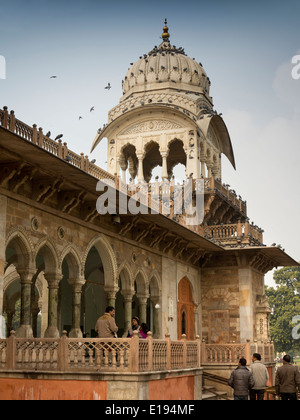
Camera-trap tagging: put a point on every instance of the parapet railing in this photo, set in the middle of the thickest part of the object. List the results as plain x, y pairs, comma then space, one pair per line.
56, 148
233, 352
98, 355
227, 234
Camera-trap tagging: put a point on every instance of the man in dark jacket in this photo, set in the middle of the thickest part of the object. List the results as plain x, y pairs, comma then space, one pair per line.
287, 380
241, 380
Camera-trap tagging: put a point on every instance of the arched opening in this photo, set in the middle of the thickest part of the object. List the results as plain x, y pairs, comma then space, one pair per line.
176, 156
128, 160
94, 299
185, 310
152, 159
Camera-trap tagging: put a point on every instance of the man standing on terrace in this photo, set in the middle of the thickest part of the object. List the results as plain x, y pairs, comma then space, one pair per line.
106, 326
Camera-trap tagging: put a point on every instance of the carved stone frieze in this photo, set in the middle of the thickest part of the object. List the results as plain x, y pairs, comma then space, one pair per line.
153, 125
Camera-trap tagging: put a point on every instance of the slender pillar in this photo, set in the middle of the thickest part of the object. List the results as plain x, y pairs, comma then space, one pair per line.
209, 170
143, 308
25, 329
203, 171
156, 317
140, 168
164, 174
76, 307
53, 286
127, 311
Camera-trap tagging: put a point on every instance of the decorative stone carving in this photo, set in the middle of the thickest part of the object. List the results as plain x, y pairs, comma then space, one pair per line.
154, 125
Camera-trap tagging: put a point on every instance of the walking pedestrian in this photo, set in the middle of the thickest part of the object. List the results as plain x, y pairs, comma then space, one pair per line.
241, 380
287, 380
260, 376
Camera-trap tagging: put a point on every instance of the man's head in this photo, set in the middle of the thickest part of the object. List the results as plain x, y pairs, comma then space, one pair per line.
256, 356
286, 359
243, 362
110, 310
135, 321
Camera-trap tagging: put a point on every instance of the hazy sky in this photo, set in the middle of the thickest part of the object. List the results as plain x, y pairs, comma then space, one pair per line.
246, 49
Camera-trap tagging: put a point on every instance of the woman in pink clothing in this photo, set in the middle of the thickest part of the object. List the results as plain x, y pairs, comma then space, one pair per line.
143, 331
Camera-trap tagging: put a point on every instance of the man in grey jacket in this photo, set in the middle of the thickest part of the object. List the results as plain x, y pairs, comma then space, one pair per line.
287, 381
241, 380
261, 377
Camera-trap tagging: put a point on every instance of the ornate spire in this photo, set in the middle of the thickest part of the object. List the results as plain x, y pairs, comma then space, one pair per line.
166, 35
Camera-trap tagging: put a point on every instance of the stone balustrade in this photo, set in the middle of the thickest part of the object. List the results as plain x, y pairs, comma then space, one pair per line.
57, 148
231, 353
236, 233
121, 354
98, 355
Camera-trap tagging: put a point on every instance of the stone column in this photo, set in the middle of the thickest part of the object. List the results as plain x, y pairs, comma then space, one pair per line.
25, 329
246, 305
3, 207
76, 307
53, 286
142, 308
209, 169
156, 317
140, 175
127, 311
111, 296
203, 171
164, 174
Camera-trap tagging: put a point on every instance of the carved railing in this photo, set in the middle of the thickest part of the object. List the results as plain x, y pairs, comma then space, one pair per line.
233, 352
96, 355
56, 148
228, 234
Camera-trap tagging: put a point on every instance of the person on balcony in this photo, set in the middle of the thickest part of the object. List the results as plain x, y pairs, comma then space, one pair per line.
134, 326
106, 326
261, 377
143, 332
241, 380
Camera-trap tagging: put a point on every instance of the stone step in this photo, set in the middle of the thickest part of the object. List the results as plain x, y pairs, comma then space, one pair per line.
209, 393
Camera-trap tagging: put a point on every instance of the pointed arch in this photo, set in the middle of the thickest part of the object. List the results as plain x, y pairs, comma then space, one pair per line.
18, 239
107, 255
155, 284
47, 249
141, 282
75, 264
126, 277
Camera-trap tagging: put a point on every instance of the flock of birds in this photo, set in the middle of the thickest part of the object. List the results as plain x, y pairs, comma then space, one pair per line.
60, 136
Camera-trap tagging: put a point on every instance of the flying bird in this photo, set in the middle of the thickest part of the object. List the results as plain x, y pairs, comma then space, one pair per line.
92, 109
53, 77
80, 118
108, 86
59, 137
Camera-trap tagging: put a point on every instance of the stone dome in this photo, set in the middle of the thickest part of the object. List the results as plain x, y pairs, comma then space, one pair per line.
166, 66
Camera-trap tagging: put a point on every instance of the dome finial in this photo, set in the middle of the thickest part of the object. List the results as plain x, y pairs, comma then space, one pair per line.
166, 35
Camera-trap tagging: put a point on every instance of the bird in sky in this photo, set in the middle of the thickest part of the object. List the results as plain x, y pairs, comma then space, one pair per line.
108, 86
59, 137
53, 77
80, 118
92, 109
